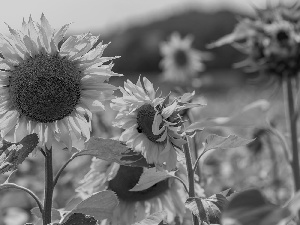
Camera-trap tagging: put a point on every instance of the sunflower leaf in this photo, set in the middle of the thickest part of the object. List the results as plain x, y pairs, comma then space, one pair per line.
214, 141
251, 208
13, 154
100, 206
113, 151
243, 30
209, 209
251, 115
55, 214
195, 205
151, 177
153, 219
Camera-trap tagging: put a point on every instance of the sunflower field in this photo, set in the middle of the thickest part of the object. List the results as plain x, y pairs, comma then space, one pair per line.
90, 138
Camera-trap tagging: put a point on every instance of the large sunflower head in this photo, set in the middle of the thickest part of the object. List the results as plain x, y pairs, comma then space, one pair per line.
180, 61
51, 87
168, 195
152, 124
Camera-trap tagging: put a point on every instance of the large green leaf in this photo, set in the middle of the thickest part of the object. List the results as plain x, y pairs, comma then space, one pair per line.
250, 207
251, 115
100, 206
150, 177
113, 151
55, 214
209, 209
214, 141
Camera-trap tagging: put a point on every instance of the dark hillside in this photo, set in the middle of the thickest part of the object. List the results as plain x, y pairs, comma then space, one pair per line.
139, 45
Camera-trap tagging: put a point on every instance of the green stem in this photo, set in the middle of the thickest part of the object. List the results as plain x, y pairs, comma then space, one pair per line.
195, 147
197, 161
283, 143
293, 130
190, 172
15, 186
274, 167
48, 186
182, 182
62, 169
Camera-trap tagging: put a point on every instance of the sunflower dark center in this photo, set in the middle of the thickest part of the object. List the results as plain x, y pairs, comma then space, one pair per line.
127, 177
282, 36
145, 118
180, 57
45, 88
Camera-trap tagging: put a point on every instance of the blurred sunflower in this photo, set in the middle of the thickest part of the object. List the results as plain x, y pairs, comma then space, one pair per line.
152, 124
50, 87
168, 195
180, 61
271, 40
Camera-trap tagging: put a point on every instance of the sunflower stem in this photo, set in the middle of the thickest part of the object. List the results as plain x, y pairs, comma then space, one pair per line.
195, 147
34, 196
290, 108
190, 171
48, 186
292, 119
62, 169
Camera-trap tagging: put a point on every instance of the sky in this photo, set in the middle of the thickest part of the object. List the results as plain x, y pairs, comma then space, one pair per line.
106, 15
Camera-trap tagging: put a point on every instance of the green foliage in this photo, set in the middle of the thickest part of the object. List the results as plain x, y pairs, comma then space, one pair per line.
113, 151
251, 115
209, 209
250, 207
214, 141
99, 205
13, 154
151, 177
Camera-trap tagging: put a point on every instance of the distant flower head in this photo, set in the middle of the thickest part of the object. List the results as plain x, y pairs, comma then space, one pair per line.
180, 61
50, 87
168, 194
271, 40
152, 124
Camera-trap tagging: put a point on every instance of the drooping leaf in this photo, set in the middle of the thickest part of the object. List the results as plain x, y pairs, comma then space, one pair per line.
100, 206
244, 29
214, 141
114, 151
80, 219
195, 205
209, 209
151, 177
252, 115
251, 208
54, 213
13, 154
153, 219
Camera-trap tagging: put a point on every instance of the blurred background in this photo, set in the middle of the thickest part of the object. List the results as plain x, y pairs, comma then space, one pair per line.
136, 29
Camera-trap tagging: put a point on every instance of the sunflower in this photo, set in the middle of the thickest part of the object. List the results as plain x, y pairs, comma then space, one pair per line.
180, 61
152, 125
51, 87
271, 41
168, 195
